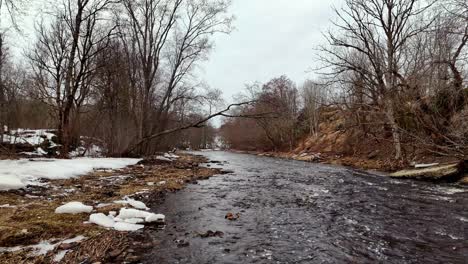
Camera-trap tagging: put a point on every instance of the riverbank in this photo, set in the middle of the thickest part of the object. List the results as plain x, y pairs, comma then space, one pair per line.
385, 166
334, 159
31, 231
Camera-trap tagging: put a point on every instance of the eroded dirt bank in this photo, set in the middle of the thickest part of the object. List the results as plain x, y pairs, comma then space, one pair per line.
27, 216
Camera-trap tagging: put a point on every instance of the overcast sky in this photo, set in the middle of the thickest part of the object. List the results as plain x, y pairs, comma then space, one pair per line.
272, 38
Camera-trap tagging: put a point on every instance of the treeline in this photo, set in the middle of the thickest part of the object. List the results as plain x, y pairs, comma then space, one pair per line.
396, 71
120, 71
281, 115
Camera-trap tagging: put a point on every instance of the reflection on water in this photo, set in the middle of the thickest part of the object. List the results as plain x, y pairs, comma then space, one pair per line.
296, 212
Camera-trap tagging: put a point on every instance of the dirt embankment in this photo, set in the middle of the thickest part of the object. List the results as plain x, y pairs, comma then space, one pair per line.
27, 216
339, 141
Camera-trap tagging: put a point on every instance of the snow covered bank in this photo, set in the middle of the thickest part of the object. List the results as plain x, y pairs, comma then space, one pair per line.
33, 137
15, 174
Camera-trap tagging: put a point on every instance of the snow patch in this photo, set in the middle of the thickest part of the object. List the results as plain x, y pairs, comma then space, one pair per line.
15, 174
128, 219
171, 156
7, 206
134, 203
10, 182
124, 227
60, 255
102, 220
132, 213
161, 183
32, 137
73, 208
162, 158
155, 218
43, 247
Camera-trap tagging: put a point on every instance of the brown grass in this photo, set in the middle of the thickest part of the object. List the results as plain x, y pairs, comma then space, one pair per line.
33, 220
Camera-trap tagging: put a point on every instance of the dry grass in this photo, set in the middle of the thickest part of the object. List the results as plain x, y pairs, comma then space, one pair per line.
32, 219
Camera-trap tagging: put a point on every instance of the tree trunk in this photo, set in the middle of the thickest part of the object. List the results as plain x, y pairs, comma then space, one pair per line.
390, 113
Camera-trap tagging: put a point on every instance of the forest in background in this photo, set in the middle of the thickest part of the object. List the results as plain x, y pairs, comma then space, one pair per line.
393, 80
114, 71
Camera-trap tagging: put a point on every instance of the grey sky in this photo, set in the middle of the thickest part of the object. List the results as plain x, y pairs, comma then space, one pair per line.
272, 38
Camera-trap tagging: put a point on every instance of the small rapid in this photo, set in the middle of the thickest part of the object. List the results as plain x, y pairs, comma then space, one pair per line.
297, 212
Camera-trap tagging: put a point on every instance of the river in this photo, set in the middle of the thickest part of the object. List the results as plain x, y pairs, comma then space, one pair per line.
298, 212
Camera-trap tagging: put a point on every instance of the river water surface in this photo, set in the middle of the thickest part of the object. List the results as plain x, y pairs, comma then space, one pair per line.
297, 212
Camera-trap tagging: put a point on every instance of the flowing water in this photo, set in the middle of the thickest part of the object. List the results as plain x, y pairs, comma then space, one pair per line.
297, 212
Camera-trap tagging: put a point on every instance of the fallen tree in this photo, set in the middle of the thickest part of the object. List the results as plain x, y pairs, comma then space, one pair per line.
198, 124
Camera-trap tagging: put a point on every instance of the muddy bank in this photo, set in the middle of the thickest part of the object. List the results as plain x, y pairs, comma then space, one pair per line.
28, 223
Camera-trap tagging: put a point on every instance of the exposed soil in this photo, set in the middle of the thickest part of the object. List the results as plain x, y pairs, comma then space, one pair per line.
338, 141
29, 217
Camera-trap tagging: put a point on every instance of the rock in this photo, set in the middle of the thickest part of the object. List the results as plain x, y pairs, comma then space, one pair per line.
232, 217
210, 233
451, 172
464, 180
310, 157
181, 243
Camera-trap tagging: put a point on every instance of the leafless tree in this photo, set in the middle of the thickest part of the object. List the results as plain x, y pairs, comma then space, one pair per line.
314, 97
64, 60
377, 33
164, 40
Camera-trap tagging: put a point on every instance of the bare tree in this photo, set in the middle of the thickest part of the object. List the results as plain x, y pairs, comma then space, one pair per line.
378, 32
149, 24
13, 8
314, 97
164, 40
65, 60
190, 44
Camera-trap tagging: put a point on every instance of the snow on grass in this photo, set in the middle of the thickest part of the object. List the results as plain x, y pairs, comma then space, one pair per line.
15, 174
128, 220
73, 208
134, 203
162, 158
124, 227
102, 220
58, 258
43, 247
132, 213
171, 156
7, 206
